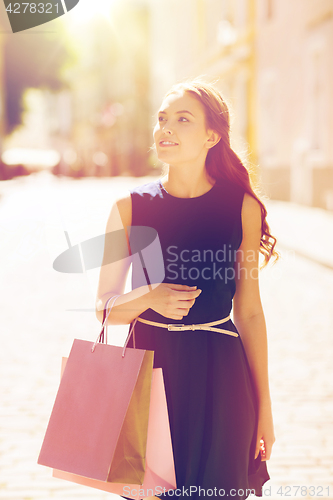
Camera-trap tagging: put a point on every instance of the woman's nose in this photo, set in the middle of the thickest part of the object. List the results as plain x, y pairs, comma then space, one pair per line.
167, 129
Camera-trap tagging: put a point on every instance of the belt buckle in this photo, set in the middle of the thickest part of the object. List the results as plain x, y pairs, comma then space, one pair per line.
175, 327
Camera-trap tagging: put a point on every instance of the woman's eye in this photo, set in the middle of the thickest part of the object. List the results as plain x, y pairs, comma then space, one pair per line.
160, 118
182, 118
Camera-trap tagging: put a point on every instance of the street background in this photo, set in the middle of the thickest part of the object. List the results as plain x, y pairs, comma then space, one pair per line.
78, 101
39, 325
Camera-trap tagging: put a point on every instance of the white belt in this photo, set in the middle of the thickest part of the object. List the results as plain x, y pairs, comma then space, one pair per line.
174, 327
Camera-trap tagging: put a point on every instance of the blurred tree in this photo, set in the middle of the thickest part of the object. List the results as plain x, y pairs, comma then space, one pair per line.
34, 61
110, 88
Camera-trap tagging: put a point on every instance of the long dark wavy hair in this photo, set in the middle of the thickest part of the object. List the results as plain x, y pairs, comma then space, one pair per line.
222, 162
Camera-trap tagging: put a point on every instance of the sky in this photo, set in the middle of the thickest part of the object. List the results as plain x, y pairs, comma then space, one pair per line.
85, 10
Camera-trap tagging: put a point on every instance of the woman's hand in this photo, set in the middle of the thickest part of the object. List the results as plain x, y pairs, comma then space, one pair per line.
173, 301
265, 434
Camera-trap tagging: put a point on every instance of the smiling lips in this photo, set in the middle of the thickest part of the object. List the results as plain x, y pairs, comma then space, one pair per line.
168, 143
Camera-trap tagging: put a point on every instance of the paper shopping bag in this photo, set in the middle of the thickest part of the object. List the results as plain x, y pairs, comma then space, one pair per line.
160, 471
98, 425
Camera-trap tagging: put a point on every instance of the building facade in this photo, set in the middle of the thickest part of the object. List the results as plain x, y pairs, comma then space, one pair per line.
294, 81
272, 62
213, 39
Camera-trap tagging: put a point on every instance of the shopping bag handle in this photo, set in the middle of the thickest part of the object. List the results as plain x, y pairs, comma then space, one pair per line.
103, 335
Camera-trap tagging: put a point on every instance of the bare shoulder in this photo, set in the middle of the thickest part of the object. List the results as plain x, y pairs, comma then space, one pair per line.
251, 214
124, 205
121, 213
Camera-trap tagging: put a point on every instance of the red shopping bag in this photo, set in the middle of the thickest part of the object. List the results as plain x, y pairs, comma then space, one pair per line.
160, 471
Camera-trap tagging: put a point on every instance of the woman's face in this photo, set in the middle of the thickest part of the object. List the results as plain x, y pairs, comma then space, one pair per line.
180, 133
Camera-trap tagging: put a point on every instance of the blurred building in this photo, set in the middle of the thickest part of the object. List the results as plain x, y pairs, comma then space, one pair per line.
211, 38
294, 81
273, 59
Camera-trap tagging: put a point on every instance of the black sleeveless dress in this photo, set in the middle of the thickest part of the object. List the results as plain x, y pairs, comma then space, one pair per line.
210, 394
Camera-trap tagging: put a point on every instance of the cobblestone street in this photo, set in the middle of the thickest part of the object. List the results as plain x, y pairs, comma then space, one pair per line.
42, 311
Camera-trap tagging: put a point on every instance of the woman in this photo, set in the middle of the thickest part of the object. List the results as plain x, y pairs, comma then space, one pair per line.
211, 227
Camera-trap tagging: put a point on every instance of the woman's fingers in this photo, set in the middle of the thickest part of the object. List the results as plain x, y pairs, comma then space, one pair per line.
187, 296
264, 448
185, 300
173, 300
260, 448
183, 311
174, 286
268, 450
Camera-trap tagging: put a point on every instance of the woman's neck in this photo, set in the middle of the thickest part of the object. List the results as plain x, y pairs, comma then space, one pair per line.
187, 184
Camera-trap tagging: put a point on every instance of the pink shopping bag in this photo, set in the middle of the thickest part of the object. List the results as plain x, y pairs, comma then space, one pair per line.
98, 425
99, 422
159, 470
109, 427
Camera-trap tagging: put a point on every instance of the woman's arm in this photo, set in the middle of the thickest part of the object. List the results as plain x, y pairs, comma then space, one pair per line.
171, 300
249, 317
113, 275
